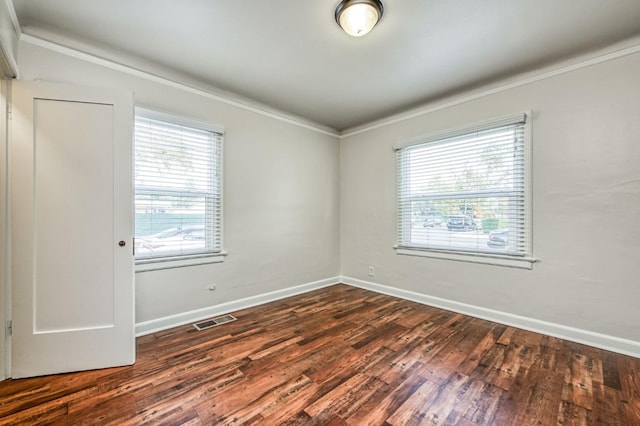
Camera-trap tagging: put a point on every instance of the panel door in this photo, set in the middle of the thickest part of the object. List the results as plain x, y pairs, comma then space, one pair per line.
71, 215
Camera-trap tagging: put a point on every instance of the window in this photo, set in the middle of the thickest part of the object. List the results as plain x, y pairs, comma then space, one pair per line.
178, 188
466, 191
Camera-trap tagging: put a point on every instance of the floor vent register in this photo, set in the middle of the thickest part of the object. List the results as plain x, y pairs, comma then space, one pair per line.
223, 319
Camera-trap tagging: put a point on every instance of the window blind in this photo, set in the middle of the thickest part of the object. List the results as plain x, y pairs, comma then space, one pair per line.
178, 189
466, 190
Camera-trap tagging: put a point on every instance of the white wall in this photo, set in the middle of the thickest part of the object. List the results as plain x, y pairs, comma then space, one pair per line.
293, 196
586, 204
281, 206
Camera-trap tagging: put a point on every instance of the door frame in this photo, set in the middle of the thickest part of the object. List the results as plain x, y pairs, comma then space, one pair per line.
9, 37
5, 275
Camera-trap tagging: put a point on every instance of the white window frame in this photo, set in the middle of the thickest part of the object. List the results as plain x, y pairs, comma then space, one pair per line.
177, 261
523, 260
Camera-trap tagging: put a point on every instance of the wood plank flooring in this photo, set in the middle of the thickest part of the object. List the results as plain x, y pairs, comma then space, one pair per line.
341, 356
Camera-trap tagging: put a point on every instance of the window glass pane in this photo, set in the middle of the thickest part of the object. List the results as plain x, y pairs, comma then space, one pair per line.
464, 193
472, 163
169, 225
464, 224
177, 190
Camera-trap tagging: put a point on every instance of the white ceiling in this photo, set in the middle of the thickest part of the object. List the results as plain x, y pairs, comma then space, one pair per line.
292, 56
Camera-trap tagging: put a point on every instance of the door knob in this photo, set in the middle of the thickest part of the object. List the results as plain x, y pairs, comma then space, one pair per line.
122, 243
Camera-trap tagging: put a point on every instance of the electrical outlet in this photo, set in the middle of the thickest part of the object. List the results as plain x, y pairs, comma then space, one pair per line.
372, 271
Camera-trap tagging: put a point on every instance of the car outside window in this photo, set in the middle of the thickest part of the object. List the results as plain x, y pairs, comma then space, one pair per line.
178, 188
466, 190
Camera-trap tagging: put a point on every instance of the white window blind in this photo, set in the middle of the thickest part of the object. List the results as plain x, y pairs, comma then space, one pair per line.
178, 189
466, 190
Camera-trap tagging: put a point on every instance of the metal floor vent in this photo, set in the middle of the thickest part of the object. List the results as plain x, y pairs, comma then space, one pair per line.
223, 319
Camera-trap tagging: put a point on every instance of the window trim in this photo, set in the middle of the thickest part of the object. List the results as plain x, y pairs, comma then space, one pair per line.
178, 261
159, 263
525, 261
483, 258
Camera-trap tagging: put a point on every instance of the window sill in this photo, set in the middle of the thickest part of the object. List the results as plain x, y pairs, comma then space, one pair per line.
145, 265
487, 259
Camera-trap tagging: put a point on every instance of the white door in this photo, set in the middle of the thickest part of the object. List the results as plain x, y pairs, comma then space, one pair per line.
71, 221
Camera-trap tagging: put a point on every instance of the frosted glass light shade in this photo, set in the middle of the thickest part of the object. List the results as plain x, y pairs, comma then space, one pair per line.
356, 17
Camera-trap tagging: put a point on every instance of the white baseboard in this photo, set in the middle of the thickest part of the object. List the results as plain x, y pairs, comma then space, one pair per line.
171, 321
598, 340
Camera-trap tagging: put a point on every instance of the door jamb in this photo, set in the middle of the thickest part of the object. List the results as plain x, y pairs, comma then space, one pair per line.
5, 231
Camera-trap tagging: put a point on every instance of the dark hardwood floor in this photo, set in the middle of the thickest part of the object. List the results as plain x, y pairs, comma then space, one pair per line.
338, 356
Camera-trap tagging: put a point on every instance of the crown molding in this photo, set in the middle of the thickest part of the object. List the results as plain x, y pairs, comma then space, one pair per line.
8, 65
619, 50
210, 94
8, 45
14, 17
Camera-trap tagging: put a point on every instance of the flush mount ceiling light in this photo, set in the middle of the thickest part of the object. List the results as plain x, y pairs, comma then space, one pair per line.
358, 17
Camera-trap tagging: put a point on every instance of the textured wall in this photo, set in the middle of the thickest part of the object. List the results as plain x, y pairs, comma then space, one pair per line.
280, 194
284, 187
586, 204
